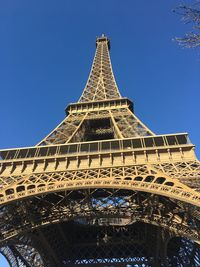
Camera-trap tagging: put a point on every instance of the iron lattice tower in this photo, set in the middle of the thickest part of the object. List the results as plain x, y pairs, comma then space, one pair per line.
101, 189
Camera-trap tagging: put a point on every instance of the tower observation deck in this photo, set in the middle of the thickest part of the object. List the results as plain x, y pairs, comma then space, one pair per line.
101, 189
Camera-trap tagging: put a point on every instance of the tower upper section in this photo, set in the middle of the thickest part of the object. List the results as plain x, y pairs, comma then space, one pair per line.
101, 113
101, 84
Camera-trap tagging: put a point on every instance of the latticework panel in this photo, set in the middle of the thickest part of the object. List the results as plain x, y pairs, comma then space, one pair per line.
22, 255
103, 197
138, 177
101, 83
114, 206
109, 246
10, 256
64, 131
183, 252
99, 208
129, 125
188, 172
122, 124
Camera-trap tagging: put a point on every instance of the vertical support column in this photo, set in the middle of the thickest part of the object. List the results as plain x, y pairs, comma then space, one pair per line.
160, 256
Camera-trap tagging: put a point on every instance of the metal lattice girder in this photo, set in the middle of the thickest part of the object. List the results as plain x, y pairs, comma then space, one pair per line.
32, 171
183, 252
22, 255
100, 178
10, 256
181, 170
132, 241
107, 245
122, 123
141, 178
116, 206
101, 84
105, 102
64, 130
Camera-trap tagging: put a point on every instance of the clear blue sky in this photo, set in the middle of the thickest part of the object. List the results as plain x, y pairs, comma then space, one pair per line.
46, 51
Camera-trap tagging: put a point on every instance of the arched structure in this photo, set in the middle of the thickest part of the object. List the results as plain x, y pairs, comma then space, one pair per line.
101, 189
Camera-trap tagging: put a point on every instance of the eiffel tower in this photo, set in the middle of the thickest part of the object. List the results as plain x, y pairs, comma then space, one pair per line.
101, 189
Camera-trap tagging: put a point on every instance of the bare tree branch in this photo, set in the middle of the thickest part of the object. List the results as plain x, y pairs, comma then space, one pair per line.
190, 14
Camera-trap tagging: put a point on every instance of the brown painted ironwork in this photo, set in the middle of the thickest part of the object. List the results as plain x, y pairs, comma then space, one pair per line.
101, 189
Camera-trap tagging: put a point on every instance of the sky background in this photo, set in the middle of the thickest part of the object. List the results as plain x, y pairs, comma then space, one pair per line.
47, 48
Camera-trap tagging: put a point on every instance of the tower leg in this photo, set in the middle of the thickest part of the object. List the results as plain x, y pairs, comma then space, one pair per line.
160, 251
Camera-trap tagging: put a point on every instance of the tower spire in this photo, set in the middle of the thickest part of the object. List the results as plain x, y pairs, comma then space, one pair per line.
101, 113
101, 188
101, 84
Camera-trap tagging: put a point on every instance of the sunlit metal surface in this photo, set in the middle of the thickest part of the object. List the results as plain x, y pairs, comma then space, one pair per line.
101, 189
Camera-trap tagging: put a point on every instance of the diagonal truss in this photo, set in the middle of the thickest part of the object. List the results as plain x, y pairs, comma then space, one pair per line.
100, 100
114, 117
101, 84
101, 188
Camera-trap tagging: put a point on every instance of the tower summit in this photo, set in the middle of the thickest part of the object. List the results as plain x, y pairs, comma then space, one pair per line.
101, 112
101, 189
101, 84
